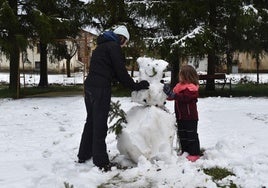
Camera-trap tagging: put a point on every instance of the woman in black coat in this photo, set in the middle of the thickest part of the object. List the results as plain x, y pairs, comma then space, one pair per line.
107, 63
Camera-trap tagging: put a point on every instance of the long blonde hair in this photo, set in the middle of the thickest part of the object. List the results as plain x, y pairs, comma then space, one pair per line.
188, 74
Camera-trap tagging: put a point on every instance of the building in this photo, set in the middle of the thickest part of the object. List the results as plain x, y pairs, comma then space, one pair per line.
242, 63
30, 60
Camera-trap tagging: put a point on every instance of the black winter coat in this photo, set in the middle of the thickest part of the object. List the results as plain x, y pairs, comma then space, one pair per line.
108, 63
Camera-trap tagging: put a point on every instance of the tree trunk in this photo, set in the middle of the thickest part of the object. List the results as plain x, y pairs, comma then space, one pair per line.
175, 62
229, 57
210, 86
68, 67
14, 76
14, 53
43, 66
258, 67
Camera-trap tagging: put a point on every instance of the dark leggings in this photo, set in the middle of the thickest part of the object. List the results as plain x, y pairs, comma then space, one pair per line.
188, 136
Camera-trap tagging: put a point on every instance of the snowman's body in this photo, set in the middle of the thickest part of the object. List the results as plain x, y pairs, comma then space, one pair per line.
150, 129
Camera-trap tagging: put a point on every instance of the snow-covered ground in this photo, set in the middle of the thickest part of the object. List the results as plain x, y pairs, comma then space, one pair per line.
40, 139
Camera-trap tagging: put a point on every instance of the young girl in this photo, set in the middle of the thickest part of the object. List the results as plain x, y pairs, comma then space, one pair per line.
185, 95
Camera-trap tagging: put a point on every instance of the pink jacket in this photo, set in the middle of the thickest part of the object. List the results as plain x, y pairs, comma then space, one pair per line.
185, 101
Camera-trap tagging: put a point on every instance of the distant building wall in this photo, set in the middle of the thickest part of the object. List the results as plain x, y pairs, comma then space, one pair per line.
4, 62
244, 63
30, 61
248, 64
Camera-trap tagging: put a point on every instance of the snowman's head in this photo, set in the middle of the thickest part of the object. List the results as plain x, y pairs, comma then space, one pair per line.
151, 69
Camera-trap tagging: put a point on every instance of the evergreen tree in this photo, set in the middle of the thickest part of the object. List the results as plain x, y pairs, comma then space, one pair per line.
108, 14
53, 20
12, 40
173, 20
65, 49
255, 23
39, 22
200, 28
142, 21
116, 113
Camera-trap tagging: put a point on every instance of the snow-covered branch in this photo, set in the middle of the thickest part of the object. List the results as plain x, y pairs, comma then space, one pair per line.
191, 35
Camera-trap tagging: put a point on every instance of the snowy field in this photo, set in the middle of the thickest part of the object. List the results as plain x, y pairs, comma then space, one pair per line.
40, 139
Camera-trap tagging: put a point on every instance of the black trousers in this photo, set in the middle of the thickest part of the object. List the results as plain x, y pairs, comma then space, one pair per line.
97, 101
188, 136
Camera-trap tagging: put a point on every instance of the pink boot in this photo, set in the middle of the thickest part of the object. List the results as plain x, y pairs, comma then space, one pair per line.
193, 158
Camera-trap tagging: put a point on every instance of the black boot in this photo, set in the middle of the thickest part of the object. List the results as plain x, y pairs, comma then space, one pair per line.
107, 167
82, 160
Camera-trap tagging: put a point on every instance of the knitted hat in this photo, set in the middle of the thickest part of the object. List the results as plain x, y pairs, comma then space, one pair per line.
122, 30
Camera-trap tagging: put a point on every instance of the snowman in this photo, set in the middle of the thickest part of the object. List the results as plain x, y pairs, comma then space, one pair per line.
150, 128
